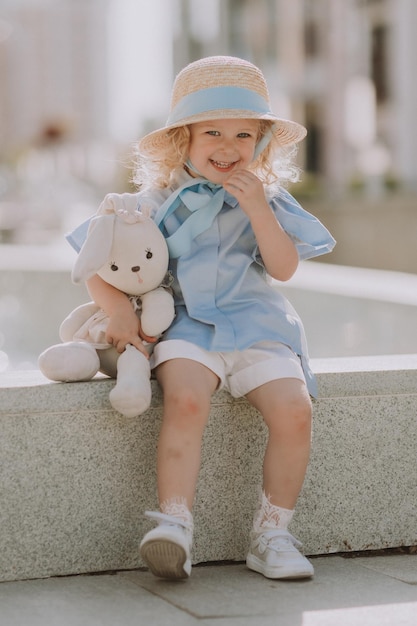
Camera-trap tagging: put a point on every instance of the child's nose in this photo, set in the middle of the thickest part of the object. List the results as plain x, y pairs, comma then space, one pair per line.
228, 143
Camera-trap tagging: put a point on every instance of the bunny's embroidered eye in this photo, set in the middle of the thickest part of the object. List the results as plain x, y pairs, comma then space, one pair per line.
113, 267
149, 254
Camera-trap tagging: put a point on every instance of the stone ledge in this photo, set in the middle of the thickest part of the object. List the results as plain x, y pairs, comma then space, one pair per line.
76, 476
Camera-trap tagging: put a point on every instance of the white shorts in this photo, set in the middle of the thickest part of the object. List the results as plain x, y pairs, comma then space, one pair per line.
240, 371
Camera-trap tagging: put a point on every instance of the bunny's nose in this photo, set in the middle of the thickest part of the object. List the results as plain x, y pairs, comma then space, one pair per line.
135, 268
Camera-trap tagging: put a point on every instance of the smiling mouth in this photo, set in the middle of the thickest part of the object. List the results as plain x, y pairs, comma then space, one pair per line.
222, 165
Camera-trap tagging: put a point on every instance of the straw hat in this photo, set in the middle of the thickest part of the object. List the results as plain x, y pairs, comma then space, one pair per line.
216, 88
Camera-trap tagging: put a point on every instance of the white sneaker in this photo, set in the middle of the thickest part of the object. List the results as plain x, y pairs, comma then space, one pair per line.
274, 554
166, 549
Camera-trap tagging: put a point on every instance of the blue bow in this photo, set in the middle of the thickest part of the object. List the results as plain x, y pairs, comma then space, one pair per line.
204, 200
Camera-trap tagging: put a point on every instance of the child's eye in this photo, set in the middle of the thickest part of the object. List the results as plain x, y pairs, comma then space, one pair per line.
244, 135
214, 133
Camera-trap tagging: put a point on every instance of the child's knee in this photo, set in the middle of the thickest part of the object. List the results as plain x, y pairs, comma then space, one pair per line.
302, 417
187, 402
300, 408
292, 417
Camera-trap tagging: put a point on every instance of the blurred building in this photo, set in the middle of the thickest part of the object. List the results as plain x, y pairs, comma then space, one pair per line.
342, 67
55, 150
79, 77
53, 60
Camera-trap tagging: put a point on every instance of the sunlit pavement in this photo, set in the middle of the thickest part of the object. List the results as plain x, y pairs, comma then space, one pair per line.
360, 591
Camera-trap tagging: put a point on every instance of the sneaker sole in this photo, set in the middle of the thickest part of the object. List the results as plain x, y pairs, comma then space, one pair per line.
259, 566
165, 559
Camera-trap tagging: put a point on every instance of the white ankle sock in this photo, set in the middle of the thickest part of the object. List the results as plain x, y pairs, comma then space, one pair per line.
177, 507
269, 516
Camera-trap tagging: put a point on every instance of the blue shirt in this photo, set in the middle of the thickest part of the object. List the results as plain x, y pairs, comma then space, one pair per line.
224, 298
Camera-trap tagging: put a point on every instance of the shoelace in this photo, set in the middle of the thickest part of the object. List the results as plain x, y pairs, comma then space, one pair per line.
170, 520
276, 539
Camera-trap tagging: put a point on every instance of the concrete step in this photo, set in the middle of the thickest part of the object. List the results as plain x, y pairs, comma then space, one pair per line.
76, 477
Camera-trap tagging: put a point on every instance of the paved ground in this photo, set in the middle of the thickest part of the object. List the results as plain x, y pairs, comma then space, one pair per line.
361, 591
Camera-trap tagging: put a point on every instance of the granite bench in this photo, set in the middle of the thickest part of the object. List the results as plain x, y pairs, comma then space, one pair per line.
76, 477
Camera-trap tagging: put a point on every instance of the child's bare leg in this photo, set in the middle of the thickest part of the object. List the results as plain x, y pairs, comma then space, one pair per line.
187, 388
286, 408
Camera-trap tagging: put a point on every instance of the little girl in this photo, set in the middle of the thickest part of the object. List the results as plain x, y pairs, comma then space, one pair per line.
211, 175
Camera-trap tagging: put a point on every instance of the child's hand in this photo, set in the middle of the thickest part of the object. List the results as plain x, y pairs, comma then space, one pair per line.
248, 190
279, 253
124, 328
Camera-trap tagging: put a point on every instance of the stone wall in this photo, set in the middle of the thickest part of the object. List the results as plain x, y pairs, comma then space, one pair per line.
76, 477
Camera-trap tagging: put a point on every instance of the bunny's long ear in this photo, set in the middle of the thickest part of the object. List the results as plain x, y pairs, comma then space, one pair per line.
96, 248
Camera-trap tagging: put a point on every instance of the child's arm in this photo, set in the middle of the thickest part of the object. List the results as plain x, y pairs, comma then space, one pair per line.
124, 326
277, 250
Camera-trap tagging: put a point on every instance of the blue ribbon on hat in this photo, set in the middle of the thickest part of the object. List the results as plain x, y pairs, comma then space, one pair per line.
219, 99
203, 199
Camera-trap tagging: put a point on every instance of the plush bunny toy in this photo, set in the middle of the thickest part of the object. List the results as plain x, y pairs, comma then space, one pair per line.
127, 250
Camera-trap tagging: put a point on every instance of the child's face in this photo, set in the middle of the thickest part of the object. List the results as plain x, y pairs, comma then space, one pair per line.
219, 147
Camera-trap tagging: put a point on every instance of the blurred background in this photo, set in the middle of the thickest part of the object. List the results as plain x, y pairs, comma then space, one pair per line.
82, 80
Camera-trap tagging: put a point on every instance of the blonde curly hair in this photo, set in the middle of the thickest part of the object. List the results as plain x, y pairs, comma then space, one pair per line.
159, 168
